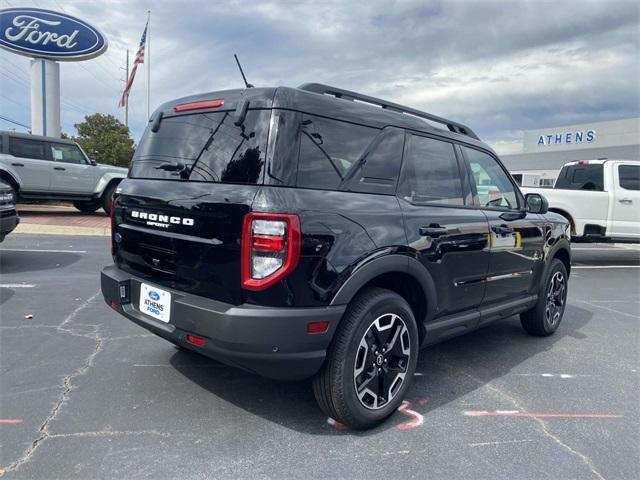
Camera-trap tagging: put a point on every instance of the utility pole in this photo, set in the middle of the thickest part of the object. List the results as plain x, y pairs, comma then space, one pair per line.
126, 104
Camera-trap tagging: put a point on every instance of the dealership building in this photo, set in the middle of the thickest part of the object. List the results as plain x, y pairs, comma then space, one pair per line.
545, 151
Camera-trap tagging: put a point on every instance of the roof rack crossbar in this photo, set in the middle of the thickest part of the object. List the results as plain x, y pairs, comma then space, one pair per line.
349, 95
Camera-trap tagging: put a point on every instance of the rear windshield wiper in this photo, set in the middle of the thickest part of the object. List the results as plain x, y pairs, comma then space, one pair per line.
171, 167
207, 144
179, 167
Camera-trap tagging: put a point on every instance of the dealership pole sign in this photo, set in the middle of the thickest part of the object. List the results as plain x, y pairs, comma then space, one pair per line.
48, 37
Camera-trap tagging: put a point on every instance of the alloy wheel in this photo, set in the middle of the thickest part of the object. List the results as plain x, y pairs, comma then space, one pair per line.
555, 299
381, 361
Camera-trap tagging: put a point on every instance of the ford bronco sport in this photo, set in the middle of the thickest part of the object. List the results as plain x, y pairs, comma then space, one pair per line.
317, 232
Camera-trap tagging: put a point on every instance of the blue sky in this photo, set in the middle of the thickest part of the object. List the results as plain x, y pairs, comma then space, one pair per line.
500, 66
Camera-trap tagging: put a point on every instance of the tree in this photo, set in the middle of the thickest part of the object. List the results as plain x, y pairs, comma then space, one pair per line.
105, 139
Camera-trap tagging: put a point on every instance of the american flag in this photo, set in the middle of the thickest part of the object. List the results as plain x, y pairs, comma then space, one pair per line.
139, 59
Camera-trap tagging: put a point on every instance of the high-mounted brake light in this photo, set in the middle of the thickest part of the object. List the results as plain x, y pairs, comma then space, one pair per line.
270, 248
201, 105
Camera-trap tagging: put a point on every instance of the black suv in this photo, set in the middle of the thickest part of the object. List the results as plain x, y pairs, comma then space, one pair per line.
316, 232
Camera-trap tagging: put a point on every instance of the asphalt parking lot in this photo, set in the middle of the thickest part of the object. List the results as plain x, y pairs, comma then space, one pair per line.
87, 394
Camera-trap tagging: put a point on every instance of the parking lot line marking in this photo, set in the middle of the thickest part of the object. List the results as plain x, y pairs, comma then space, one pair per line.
603, 249
17, 285
40, 251
10, 420
509, 413
594, 267
608, 309
504, 442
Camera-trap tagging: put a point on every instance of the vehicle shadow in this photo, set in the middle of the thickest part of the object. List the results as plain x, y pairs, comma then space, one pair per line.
6, 294
446, 372
26, 261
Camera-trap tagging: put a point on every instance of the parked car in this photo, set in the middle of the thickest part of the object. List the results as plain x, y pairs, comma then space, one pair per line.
47, 168
600, 199
317, 232
8, 214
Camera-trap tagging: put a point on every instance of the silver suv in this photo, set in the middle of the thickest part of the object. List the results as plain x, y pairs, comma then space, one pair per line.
47, 168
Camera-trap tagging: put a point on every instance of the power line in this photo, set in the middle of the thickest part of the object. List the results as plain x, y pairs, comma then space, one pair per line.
2, 117
74, 106
14, 101
11, 76
115, 77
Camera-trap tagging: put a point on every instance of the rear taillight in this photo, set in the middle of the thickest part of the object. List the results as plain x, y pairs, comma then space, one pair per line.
270, 248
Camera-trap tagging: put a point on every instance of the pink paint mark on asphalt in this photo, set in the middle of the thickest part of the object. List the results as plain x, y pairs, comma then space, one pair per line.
10, 420
416, 418
335, 424
515, 413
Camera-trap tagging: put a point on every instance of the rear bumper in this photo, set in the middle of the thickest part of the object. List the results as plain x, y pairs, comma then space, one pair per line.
272, 342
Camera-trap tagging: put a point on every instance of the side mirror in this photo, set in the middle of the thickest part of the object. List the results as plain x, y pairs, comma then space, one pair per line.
93, 162
536, 203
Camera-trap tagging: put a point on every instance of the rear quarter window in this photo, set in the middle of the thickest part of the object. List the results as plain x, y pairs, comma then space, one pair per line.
26, 148
328, 150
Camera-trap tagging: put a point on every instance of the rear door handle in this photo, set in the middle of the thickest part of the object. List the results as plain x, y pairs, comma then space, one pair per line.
626, 201
502, 229
59, 168
18, 164
433, 230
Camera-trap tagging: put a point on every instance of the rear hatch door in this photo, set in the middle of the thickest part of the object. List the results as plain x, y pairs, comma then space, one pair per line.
178, 217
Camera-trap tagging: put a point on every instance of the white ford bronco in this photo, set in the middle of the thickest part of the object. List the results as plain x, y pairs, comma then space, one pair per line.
48, 168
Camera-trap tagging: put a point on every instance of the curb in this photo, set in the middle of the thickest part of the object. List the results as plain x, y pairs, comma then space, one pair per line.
36, 229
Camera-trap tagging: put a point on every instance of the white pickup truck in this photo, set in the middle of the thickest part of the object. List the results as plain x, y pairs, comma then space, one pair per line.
600, 198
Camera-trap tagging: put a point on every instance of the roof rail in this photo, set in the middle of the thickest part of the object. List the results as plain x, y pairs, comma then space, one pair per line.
349, 95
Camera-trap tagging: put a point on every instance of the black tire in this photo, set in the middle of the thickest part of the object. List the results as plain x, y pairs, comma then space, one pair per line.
354, 344
543, 319
87, 207
107, 196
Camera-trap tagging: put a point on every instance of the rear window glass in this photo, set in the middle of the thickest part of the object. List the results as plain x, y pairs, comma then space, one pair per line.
209, 147
328, 149
629, 177
581, 177
26, 148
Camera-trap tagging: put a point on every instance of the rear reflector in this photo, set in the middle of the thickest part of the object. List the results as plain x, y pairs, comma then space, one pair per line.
317, 327
114, 304
197, 341
267, 243
201, 105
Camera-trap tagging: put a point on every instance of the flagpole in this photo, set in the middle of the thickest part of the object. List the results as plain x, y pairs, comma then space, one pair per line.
148, 55
126, 105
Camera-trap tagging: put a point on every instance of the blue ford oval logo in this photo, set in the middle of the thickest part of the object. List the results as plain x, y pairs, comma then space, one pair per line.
42, 33
154, 295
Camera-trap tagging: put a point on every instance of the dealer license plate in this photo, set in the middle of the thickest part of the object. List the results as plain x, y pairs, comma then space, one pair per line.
155, 302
